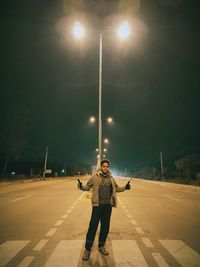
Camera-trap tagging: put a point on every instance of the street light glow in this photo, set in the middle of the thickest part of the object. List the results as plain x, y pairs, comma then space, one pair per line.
106, 141
110, 120
92, 119
124, 30
105, 149
79, 30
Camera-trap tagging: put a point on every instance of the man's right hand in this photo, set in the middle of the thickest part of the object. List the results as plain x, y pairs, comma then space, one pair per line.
79, 184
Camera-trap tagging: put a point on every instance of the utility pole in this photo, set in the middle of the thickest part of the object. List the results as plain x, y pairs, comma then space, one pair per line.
45, 162
65, 166
161, 165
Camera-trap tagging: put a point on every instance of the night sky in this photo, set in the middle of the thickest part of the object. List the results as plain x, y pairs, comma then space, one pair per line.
150, 82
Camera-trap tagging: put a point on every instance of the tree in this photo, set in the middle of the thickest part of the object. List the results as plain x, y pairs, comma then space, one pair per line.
188, 166
13, 138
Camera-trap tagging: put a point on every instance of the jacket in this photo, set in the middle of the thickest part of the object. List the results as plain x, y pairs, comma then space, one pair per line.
94, 183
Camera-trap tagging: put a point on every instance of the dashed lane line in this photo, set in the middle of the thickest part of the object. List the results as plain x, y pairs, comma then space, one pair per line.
51, 232
26, 261
17, 199
147, 242
59, 222
40, 244
159, 260
134, 222
139, 230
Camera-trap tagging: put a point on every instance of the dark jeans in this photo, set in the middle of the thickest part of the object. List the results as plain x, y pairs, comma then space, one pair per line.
100, 213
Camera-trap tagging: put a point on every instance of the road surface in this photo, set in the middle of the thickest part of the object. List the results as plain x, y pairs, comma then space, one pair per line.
44, 223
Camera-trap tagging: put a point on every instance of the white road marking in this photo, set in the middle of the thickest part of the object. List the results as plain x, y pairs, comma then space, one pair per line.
185, 255
129, 215
64, 216
69, 211
5, 191
66, 253
17, 199
10, 249
51, 232
139, 230
26, 261
40, 244
176, 199
126, 253
159, 260
147, 242
134, 222
59, 223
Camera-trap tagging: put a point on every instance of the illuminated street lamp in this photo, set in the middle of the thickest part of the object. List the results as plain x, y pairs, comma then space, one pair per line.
105, 150
92, 119
78, 30
110, 120
106, 141
123, 32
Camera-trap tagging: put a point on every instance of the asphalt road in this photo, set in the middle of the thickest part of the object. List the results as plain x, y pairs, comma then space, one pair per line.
44, 223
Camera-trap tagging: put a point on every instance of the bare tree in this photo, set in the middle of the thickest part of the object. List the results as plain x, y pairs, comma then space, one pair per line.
13, 138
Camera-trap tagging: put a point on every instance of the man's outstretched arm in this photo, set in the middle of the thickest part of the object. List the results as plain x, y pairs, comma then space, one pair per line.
86, 187
122, 188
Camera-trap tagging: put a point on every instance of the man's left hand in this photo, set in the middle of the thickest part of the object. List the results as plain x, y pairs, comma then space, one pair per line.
128, 186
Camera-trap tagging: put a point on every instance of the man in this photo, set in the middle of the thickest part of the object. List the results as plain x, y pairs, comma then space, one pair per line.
103, 199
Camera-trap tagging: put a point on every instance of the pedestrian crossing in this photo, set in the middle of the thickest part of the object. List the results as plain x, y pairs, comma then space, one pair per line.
123, 253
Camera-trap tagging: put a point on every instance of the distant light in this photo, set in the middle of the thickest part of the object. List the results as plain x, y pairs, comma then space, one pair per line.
106, 141
110, 120
97, 149
124, 30
105, 149
78, 30
63, 171
98, 156
104, 156
13, 173
92, 119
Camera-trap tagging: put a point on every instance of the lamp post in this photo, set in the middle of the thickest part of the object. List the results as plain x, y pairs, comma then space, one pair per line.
100, 98
123, 32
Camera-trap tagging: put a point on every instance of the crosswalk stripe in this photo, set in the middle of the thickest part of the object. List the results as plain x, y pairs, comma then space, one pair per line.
26, 261
185, 255
127, 253
159, 259
10, 249
66, 253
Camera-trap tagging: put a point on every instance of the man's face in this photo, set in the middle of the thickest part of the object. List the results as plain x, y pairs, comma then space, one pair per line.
105, 167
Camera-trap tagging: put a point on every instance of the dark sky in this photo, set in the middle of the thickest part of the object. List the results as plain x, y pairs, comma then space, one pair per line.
150, 83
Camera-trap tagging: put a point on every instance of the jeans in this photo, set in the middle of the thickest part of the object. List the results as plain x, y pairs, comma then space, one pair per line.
100, 213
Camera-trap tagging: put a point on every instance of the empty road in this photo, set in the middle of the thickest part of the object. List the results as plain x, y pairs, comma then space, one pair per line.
44, 223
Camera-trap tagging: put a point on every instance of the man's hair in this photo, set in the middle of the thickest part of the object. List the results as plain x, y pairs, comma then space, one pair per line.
105, 161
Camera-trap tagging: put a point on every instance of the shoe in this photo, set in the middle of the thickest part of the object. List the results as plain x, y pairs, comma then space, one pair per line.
103, 251
86, 255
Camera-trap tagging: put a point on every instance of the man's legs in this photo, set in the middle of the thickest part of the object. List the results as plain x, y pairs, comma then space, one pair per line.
94, 221
105, 223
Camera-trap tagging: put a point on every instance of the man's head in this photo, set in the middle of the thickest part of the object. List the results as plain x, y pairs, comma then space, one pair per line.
105, 166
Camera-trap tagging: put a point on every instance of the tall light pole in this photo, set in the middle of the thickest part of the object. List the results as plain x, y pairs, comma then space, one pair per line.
100, 97
123, 32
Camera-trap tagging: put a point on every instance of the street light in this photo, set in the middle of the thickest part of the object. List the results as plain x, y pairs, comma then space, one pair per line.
92, 119
123, 32
106, 141
78, 30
